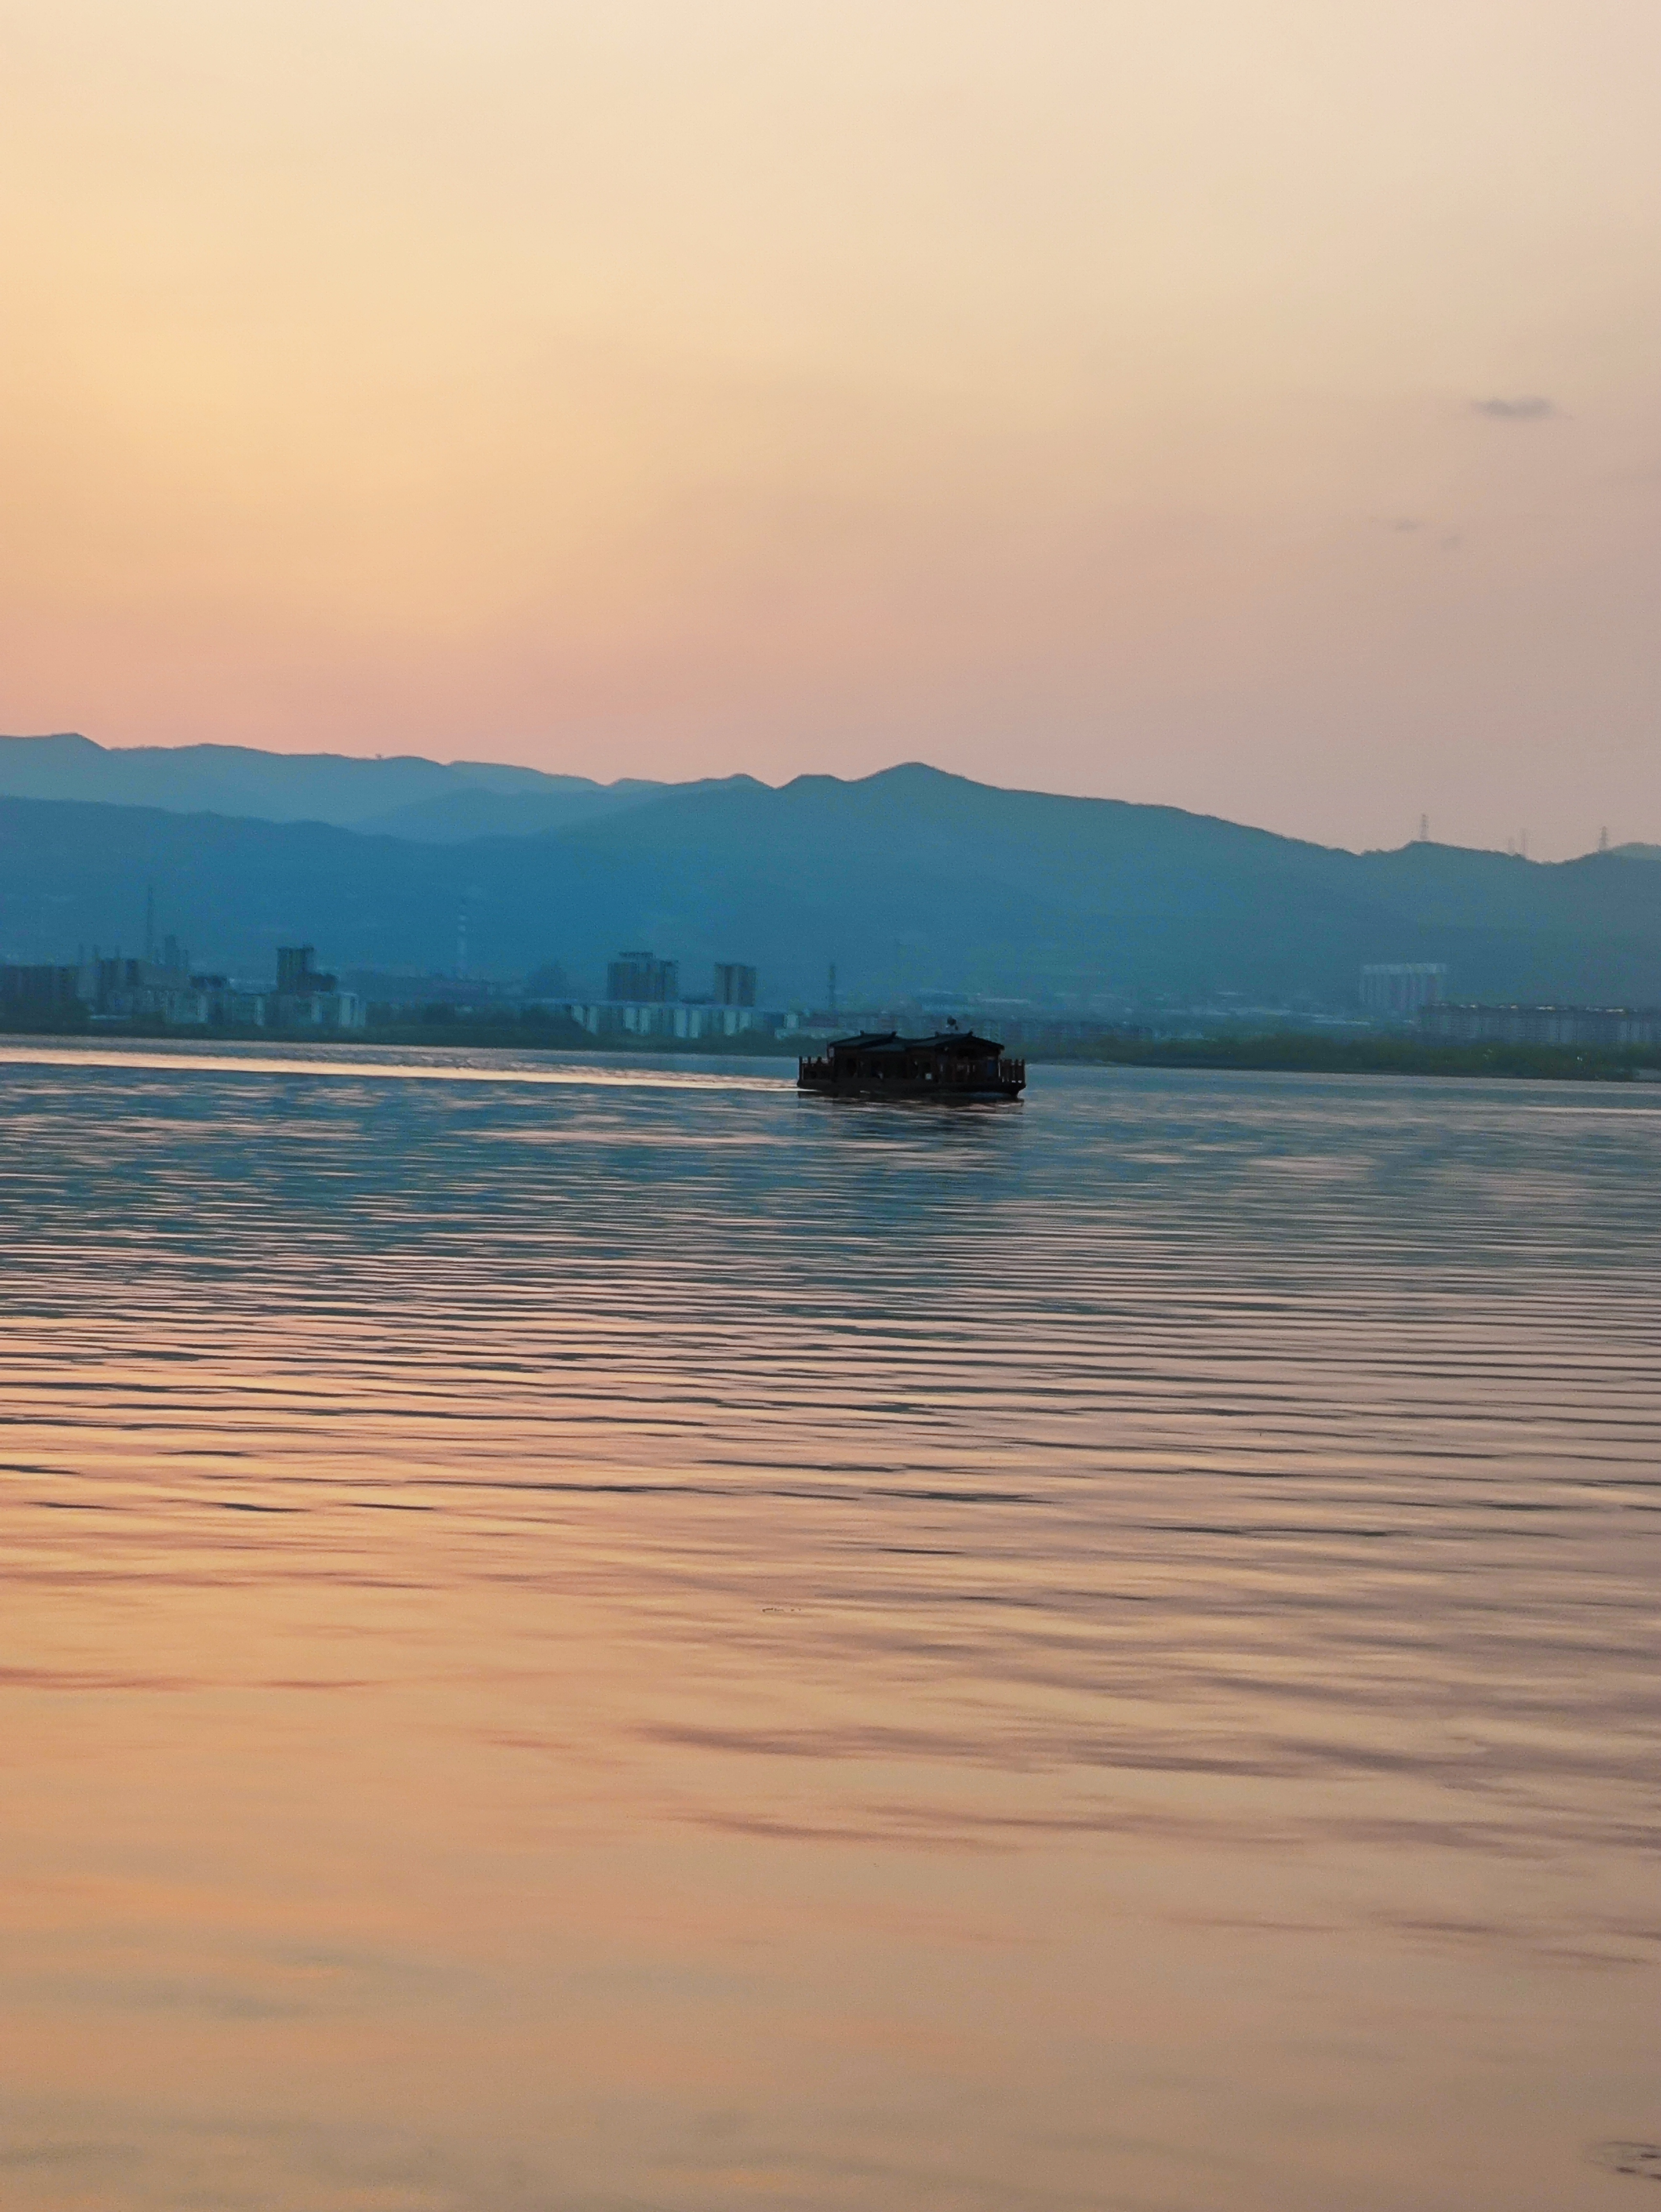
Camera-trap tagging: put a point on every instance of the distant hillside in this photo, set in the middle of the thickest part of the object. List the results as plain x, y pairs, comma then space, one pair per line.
908, 880
459, 817
438, 802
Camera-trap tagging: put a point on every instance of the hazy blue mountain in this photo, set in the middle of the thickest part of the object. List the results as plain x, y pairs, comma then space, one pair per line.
457, 817
908, 880
433, 800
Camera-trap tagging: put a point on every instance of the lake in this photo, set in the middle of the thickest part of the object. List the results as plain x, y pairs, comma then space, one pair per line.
612, 1638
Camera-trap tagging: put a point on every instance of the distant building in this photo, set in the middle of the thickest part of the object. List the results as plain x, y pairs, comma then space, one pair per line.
396, 989
316, 1010
307, 998
124, 990
40, 994
640, 978
1400, 988
1609, 1027
229, 1005
735, 985
612, 1018
112, 988
297, 978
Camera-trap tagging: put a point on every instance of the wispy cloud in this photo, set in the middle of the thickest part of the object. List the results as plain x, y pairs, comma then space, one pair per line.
1527, 407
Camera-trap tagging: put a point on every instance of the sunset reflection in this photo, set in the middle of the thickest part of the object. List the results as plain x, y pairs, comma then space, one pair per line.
1105, 1660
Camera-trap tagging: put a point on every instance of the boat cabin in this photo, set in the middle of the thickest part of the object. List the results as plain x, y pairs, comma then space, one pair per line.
881, 1063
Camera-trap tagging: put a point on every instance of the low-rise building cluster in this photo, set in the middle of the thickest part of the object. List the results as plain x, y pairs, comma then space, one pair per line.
684, 1018
643, 999
166, 990
1398, 988
162, 989
1608, 1028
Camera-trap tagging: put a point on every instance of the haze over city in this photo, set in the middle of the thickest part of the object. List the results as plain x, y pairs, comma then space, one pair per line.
1251, 409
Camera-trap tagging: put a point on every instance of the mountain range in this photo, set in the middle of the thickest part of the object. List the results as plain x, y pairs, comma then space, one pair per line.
398, 795
910, 880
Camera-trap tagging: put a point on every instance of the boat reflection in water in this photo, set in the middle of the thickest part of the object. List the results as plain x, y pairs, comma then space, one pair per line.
952, 1064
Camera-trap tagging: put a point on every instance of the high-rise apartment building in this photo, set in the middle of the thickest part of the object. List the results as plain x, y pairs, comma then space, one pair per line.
735, 984
640, 978
1401, 986
297, 978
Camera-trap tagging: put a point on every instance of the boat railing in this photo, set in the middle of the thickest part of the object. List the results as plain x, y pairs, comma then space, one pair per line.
822, 1067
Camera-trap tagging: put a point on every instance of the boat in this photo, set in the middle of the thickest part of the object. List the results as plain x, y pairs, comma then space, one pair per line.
954, 1064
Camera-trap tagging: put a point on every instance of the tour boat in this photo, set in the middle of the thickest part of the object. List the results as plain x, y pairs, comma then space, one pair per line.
954, 1064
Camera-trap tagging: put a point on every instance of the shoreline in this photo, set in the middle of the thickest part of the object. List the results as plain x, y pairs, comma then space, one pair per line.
1286, 1052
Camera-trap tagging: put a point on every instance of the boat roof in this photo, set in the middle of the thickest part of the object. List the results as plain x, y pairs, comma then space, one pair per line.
949, 1041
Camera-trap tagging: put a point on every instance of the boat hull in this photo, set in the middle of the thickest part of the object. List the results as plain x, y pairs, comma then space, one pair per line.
946, 1093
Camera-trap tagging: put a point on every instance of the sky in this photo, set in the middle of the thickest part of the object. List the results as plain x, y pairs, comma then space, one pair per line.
1250, 406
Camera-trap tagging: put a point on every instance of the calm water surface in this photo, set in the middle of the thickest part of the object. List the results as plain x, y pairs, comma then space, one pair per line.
615, 1639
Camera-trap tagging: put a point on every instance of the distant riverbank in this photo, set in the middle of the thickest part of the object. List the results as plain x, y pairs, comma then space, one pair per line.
1285, 1051
1312, 1053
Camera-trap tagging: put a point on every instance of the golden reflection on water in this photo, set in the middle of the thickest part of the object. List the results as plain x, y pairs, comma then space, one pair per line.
641, 1644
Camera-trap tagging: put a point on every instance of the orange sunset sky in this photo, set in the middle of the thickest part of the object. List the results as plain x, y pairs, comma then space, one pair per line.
1245, 404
